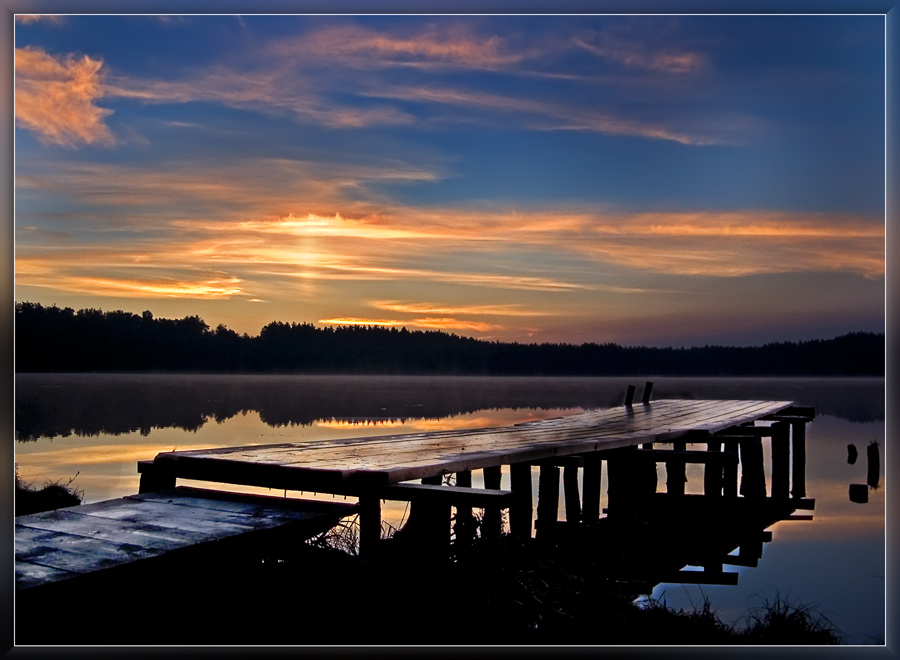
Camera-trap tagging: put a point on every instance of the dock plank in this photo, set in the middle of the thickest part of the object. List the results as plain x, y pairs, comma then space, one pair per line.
64, 543
340, 465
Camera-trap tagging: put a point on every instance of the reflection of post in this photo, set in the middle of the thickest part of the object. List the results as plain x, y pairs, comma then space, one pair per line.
781, 460
590, 488
548, 501
675, 471
570, 488
873, 465
730, 471
490, 524
369, 524
520, 511
753, 474
464, 524
798, 459
712, 471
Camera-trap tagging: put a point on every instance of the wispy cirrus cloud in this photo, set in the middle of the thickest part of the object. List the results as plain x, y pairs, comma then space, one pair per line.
434, 46
543, 115
636, 54
55, 97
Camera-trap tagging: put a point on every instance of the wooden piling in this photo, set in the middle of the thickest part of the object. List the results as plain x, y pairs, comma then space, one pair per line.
570, 490
781, 460
154, 477
369, 525
753, 474
648, 388
548, 501
798, 459
730, 471
712, 472
465, 527
590, 488
520, 513
491, 523
629, 395
676, 472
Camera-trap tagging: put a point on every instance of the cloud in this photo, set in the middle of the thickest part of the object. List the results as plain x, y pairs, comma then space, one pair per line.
543, 115
425, 323
635, 54
433, 308
55, 98
28, 19
451, 46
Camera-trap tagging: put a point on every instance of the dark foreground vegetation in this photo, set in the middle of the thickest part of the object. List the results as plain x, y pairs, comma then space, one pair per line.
53, 339
504, 592
50, 496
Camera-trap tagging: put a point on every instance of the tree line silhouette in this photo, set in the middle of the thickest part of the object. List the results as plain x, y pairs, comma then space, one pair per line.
54, 339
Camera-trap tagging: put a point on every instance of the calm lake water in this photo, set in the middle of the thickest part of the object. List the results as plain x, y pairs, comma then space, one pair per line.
98, 426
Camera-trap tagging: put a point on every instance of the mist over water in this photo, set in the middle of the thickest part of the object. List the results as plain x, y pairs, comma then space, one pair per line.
99, 425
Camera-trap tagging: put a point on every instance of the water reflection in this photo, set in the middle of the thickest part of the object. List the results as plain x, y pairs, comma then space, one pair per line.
50, 405
100, 425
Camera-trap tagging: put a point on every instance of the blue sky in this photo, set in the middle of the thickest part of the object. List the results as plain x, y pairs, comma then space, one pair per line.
638, 179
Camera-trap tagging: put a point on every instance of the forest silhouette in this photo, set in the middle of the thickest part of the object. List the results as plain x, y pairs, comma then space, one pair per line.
54, 339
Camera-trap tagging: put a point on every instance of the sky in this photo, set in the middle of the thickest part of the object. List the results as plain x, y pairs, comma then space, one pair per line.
646, 180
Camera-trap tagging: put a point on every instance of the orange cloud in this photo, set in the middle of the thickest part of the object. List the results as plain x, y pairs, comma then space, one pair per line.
55, 98
634, 54
27, 19
432, 308
435, 46
426, 323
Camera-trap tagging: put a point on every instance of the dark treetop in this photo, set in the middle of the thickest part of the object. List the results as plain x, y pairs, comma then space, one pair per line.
53, 339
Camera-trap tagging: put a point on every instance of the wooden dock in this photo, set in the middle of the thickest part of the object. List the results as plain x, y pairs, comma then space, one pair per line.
628, 437
82, 540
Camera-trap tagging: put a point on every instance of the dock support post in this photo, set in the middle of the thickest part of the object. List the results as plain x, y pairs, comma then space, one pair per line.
648, 388
798, 459
490, 523
590, 488
730, 471
629, 395
781, 460
548, 501
369, 524
572, 498
753, 475
676, 472
154, 477
520, 512
712, 472
465, 528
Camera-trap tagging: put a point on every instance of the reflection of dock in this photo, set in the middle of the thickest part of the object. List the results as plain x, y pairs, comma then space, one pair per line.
630, 440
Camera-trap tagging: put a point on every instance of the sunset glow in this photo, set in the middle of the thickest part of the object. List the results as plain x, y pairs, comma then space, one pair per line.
509, 177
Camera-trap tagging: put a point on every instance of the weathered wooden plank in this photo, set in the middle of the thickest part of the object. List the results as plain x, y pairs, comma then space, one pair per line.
37, 548
32, 575
58, 544
450, 495
150, 536
343, 466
